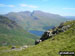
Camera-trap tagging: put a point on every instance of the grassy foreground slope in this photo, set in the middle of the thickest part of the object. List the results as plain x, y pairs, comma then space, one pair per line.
12, 34
64, 41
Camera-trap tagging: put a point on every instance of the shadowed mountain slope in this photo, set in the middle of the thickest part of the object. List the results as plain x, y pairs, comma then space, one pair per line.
12, 34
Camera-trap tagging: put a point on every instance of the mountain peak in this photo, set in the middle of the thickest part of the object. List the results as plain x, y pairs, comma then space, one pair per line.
25, 12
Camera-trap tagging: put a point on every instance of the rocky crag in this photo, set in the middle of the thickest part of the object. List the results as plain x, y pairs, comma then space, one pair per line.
54, 31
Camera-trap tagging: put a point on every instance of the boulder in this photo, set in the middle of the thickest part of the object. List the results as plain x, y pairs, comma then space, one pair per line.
13, 47
55, 32
46, 35
25, 46
37, 41
64, 28
61, 25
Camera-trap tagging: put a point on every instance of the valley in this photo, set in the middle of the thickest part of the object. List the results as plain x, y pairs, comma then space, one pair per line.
12, 34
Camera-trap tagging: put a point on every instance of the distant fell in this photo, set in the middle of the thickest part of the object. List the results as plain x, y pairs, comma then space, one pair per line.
35, 20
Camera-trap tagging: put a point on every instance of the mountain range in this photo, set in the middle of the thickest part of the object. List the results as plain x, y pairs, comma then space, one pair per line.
15, 26
36, 20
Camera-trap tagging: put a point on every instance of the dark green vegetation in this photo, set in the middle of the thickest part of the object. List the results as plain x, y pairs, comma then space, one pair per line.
36, 20
12, 34
64, 41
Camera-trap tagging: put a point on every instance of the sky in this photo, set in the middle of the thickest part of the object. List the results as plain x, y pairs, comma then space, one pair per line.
61, 7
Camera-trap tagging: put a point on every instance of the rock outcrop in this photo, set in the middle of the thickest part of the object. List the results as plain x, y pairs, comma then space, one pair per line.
50, 33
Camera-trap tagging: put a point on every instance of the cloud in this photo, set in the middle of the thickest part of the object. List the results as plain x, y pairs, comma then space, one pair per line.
44, 0
11, 5
21, 5
4, 5
69, 8
30, 6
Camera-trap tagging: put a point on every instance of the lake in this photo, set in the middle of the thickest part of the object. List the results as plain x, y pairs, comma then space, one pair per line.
37, 33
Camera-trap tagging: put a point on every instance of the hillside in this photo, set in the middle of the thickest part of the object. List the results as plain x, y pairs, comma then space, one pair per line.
64, 41
35, 20
12, 34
